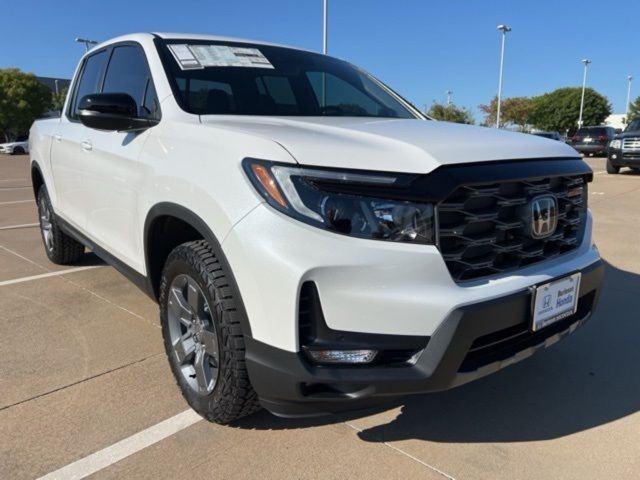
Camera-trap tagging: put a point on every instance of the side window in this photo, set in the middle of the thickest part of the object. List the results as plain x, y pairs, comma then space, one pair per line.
127, 72
89, 79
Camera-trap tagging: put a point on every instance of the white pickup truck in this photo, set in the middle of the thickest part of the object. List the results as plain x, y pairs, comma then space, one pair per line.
315, 243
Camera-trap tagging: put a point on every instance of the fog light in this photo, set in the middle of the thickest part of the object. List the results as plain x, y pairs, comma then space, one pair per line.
614, 156
342, 356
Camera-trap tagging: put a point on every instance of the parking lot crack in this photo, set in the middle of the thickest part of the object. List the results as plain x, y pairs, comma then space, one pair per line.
92, 377
406, 454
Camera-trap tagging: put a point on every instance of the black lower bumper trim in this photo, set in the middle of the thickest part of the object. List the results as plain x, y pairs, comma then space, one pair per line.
288, 385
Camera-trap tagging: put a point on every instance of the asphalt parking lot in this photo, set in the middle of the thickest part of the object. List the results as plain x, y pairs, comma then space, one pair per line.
83, 371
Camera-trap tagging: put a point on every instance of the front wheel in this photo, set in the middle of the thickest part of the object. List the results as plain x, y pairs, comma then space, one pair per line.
17, 151
203, 336
611, 168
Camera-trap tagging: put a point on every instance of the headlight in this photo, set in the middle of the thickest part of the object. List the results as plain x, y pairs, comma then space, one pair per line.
617, 144
343, 201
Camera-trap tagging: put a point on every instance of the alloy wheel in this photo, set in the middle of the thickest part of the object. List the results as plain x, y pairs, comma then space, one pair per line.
192, 334
45, 224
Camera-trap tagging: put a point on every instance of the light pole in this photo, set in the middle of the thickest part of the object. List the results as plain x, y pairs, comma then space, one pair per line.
504, 29
325, 26
626, 112
449, 93
586, 63
86, 42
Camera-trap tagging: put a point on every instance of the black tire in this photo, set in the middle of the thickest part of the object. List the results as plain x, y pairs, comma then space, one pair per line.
232, 395
59, 247
611, 168
17, 151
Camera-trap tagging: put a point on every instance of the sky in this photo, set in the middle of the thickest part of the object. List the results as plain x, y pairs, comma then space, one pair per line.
421, 48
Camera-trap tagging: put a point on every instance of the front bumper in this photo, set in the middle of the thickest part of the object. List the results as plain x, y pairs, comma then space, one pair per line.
590, 148
473, 341
624, 158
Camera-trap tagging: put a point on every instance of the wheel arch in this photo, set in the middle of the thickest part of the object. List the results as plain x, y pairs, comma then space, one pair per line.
37, 178
159, 240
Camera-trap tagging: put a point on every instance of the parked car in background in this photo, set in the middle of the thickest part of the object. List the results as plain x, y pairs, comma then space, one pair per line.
20, 146
593, 140
550, 135
624, 149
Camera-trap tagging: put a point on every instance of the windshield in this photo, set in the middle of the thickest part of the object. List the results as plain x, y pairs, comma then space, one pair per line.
242, 79
634, 126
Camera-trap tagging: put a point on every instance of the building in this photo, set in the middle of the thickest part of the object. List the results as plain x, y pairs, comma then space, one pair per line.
615, 120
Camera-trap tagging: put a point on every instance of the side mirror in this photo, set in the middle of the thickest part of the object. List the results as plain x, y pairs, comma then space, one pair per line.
112, 112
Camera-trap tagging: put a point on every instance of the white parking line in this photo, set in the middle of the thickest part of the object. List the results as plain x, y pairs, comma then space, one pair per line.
124, 448
24, 225
46, 275
17, 201
14, 180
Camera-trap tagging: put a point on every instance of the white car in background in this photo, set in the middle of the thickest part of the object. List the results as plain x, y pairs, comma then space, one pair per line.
20, 146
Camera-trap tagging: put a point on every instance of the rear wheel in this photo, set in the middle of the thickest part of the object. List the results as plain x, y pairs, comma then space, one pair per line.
59, 247
611, 168
203, 336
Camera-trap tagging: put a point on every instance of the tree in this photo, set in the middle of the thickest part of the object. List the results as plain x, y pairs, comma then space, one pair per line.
22, 100
490, 112
450, 113
514, 110
634, 110
57, 100
559, 110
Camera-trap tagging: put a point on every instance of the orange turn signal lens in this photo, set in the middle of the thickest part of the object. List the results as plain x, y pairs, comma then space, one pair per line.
266, 180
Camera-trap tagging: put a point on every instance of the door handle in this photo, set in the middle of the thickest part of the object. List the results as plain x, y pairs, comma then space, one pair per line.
86, 146
58, 137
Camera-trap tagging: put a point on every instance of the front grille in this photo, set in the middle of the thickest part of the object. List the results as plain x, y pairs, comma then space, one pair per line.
632, 143
504, 344
482, 232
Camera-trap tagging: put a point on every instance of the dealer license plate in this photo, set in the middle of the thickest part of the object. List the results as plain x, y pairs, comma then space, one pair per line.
555, 300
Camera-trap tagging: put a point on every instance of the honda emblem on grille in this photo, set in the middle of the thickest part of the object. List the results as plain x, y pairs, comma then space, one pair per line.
543, 216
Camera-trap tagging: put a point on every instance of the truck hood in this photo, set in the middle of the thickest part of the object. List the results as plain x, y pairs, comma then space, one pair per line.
408, 146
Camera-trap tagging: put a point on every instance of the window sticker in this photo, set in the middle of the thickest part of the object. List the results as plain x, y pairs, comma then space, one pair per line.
184, 57
200, 56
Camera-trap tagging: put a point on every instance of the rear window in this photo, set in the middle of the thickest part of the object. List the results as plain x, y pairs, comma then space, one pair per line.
592, 131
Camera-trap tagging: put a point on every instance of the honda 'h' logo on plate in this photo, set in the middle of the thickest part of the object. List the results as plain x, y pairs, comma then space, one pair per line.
544, 216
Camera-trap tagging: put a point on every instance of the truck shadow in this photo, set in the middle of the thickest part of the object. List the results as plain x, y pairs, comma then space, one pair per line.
587, 380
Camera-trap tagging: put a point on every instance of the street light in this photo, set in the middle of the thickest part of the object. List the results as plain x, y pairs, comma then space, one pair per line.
325, 26
87, 43
586, 63
504, 29
449, 93
626, 113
